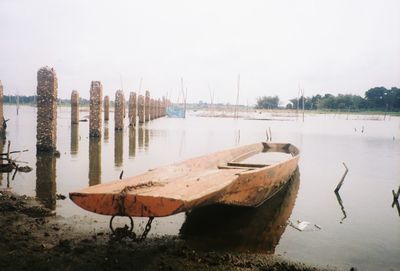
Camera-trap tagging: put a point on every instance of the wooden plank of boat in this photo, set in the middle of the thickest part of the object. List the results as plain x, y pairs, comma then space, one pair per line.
215, 178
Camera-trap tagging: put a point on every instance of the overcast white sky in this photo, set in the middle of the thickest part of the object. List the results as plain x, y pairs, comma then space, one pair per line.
338, 46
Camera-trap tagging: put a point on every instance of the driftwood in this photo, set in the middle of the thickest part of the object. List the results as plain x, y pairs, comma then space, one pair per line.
12, 164
342, 180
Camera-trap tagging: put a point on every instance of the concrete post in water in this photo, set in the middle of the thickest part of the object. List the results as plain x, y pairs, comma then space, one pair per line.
158, 108
147, 106
155, 109
74, 107
46, 128
119, 108
141, 108
132, 109
106, 108
96, 97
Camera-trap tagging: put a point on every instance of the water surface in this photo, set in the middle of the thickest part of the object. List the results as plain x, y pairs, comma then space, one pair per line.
364, 231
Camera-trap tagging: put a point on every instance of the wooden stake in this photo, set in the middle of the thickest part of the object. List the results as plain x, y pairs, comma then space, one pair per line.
342, 180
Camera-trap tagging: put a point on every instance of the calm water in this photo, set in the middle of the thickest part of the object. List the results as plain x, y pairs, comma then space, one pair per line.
364, 232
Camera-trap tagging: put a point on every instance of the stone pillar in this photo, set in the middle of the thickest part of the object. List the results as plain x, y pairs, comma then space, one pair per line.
163, 107
2, 130
106, 108
46, 127
132, 109
141, 108
74, 107
147, 106
158, 108
152, 115
96, 97
119, 107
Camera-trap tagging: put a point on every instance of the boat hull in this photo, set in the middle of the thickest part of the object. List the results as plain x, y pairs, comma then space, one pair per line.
215, 178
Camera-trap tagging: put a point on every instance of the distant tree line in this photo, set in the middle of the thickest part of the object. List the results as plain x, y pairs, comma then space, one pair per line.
378, 98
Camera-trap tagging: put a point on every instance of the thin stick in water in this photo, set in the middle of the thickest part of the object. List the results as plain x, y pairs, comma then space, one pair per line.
342, 180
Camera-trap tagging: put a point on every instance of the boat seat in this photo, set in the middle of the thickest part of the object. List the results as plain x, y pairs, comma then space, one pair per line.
235, 165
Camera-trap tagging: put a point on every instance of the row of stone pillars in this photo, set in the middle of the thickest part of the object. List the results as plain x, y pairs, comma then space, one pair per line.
142, 108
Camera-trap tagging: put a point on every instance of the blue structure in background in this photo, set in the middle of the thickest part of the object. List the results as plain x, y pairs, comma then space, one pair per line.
175, 111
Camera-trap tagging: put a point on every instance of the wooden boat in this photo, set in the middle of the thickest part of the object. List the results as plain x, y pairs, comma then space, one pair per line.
223, 177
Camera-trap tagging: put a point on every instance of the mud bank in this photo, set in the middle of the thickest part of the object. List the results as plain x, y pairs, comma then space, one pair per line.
35, 238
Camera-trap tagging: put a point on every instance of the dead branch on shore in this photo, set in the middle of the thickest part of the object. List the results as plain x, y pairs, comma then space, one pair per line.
11, 164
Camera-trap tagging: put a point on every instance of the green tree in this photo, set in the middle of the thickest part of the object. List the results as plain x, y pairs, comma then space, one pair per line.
268, 102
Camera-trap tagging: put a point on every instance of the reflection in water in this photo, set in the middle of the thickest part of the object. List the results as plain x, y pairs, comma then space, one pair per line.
94, 161
397, 206
46, 180
146, 138
242, 228
339, 199
106, 134
118, 148
74, 139
182, 142
140, 136
132, 141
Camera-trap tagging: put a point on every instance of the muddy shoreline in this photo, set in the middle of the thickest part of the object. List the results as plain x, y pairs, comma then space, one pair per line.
35, 238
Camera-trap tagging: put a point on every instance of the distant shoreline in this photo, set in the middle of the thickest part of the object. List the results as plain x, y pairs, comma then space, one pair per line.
230, 110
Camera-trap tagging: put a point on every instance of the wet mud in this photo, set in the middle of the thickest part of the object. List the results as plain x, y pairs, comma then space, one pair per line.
33, 237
